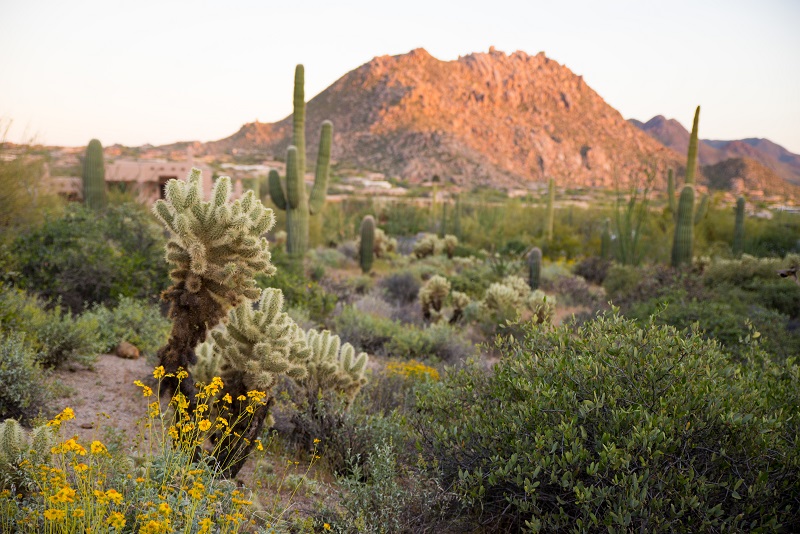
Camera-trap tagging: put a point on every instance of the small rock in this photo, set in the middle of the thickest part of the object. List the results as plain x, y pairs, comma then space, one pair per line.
87, 425
127, 350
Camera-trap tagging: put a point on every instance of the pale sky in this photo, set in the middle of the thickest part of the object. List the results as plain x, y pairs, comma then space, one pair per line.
160, 71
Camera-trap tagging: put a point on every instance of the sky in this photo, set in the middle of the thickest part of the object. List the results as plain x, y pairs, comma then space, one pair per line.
161, 71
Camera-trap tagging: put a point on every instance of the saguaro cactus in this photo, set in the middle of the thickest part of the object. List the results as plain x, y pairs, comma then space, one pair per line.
293, 198
673, 207
534, 267
605, 241
551, 197
684, 228
94, 176
367, 247
738, 229
691, 158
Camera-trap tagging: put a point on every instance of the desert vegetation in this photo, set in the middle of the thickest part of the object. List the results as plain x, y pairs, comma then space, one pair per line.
474, 363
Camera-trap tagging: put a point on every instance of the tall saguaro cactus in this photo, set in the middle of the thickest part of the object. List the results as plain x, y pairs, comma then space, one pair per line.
684, 228
534, 267
738, 229
94, 176
691, 158
551, 197
293, 197
367, 248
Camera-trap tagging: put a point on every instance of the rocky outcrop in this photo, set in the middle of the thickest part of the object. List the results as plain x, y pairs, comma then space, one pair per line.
487, 118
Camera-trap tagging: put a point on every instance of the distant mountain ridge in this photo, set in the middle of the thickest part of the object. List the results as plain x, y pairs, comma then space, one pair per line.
672, 134
486, 118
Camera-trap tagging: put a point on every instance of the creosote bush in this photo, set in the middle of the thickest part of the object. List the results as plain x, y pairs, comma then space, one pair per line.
618, 427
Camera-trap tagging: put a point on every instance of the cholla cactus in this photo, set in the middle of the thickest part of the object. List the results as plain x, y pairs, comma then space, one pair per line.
383, 244
449, 244
18, 445
542, 306
215, 246
502, 300
432, 296
518, 284
216, 249
333, 367
209, 363
427, 245
460, 301
262, 343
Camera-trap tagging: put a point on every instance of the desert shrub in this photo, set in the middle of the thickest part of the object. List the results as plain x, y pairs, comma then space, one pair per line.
726, 321
134, 321
373, 305
25, 390
618, 427
593, 269
88, 257
385, 337
401, 287
55, 337
574, 291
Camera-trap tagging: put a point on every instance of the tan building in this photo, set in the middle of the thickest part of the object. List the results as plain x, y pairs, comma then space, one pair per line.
148, 177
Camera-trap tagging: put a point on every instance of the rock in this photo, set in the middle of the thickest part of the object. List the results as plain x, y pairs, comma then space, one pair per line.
127, 350
87, 425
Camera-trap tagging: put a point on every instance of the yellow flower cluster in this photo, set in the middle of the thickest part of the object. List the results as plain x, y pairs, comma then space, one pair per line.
412, 369
65, 415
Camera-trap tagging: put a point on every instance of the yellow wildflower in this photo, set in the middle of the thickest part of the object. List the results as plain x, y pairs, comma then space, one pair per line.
114, 495
116, 520
164, 508
98, 448
78, 512
205, 525
326, 526
158, 372
54, 514
182, 374
241, 398
80, 468
204, 425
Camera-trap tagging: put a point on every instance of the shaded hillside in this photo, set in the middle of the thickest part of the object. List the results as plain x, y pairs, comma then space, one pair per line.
486, 118
744, 175
673, 135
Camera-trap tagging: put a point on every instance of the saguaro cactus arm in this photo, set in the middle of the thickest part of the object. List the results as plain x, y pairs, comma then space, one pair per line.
276, 190
691, 158
320, 188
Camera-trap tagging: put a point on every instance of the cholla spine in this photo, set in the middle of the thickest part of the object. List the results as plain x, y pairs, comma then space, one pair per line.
262, 342
333, 367
215, 246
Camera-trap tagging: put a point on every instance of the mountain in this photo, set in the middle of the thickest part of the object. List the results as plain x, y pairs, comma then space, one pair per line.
673, 135
486, 118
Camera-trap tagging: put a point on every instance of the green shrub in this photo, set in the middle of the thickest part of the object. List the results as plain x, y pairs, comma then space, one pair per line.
134, 321
24, 390
56, 337
619, 427
88, 257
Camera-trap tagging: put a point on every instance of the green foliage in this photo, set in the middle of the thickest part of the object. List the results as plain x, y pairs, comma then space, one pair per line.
93, 176
631, 220
671, 204
738, 232
24, 195
86, 257
367, 244
134, 321
298, 205
25, 390
386, 337
618, 427
56, 336
683, 242
534, 267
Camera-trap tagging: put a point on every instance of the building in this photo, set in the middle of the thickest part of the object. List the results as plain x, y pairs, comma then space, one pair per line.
148, 177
